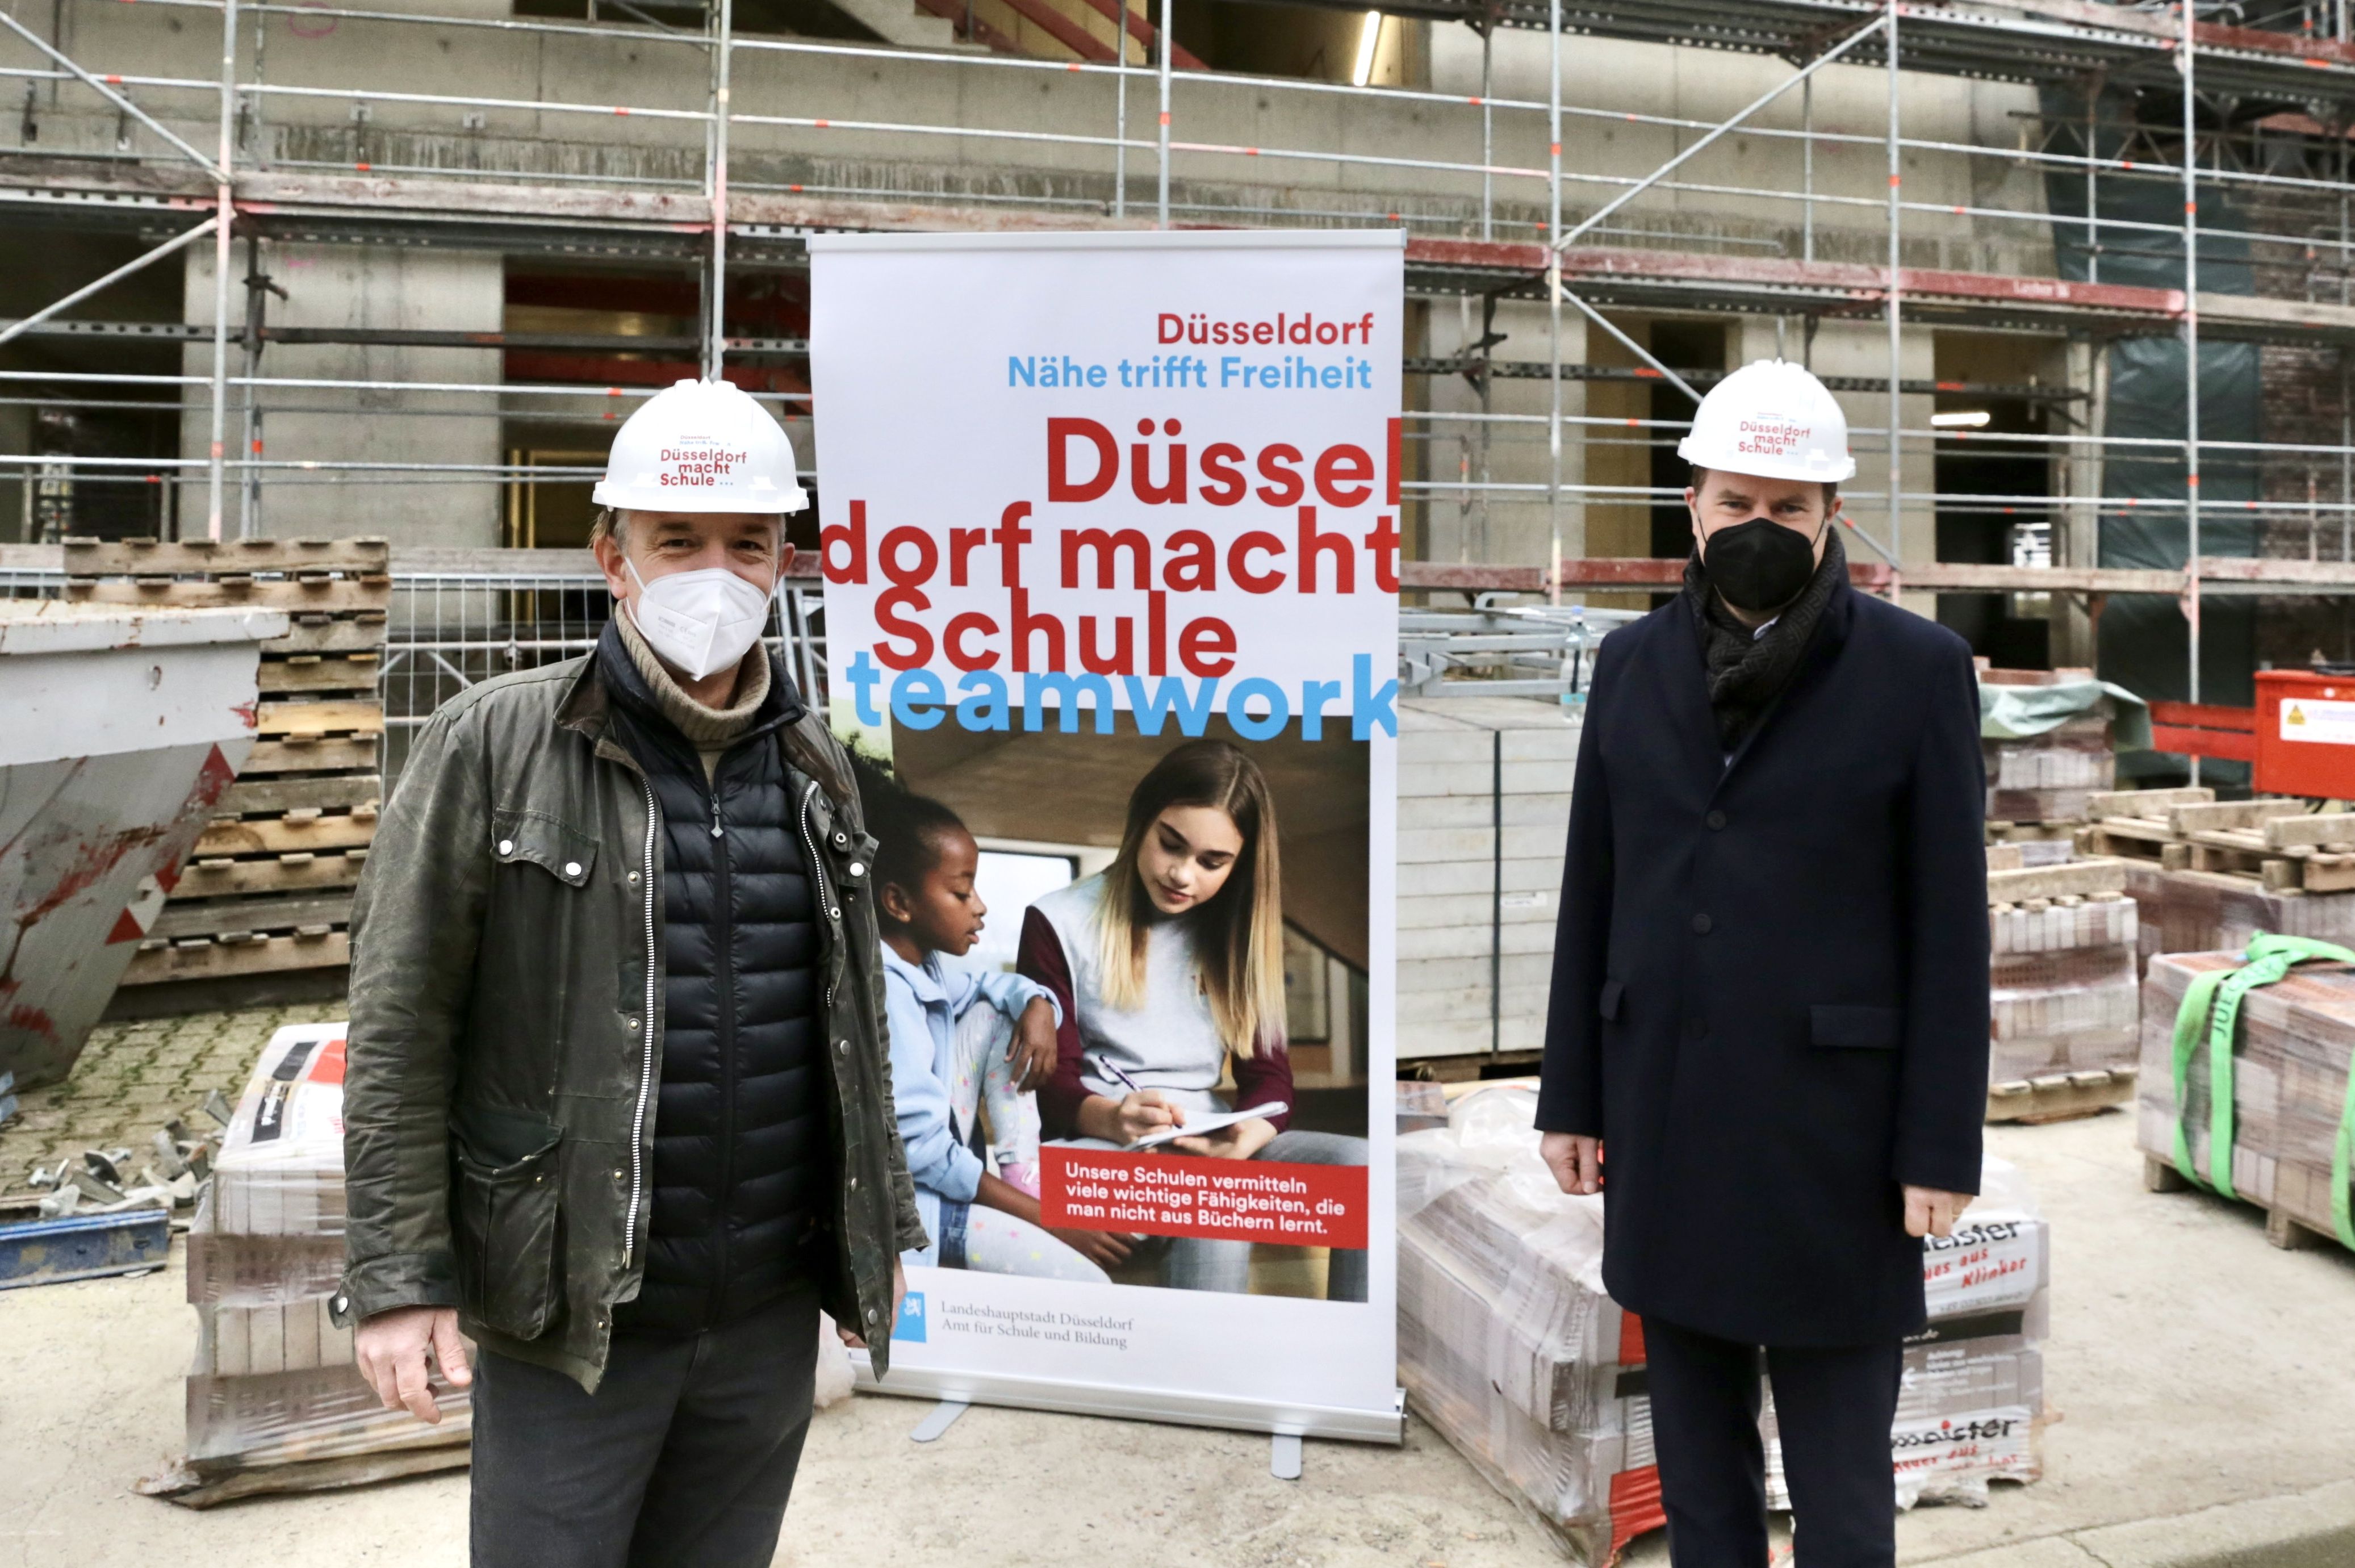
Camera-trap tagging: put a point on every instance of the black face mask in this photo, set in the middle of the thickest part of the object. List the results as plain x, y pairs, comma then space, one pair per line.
1759, 566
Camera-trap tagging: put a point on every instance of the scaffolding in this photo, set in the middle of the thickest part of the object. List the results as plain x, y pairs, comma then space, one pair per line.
1481, 231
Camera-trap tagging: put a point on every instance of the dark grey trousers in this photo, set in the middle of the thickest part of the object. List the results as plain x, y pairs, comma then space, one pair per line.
684, 1454
1834, 1409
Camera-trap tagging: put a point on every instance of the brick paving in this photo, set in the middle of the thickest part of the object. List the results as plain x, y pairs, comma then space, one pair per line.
134, 1077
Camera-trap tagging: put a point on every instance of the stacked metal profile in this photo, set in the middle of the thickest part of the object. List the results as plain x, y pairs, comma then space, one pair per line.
1483, 813
273, 1386
2064, 995
268, 888
2292, 1109
1509, 1345
2050, 777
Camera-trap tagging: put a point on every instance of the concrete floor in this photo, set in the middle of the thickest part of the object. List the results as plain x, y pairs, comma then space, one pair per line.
2205, 1384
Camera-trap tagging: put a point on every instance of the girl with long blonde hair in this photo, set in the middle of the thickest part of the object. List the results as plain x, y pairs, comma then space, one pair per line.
1168, 967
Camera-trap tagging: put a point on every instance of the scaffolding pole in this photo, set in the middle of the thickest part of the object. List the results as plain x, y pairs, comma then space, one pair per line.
1894, 310
1554, 296
715, 350
1161, 50
225, 213
2191, 366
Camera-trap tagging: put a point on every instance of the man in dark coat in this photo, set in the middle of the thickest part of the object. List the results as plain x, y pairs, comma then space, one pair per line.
1768, 1033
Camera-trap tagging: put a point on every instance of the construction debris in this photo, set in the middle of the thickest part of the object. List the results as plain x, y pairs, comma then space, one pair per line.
1509, 1345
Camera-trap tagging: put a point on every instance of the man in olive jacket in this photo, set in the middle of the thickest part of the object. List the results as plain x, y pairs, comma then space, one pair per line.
619, 1101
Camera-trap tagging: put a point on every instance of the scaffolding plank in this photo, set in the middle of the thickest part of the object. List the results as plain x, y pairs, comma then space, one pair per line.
127, 558
319, 672
303, 754
284, 834
214, 917
331, 718
213, 960
224, 877
300, 792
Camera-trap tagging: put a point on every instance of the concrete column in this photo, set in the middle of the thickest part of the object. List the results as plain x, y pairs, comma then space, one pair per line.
341, 286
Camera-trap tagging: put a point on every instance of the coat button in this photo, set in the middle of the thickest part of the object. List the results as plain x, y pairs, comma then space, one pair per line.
842, 1046
634, 1026
854, 1184
572, 868
634, 879
840, 839
506, 846
857, 870
1716, 819
871, 1314
1700, 925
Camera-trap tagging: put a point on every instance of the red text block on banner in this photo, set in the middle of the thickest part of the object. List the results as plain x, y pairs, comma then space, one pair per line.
1221, 1200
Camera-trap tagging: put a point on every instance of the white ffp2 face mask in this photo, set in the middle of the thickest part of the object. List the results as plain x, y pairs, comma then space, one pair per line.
701, 621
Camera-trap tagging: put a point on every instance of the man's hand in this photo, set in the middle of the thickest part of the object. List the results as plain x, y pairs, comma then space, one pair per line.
1930, 1212
1032, 1051
1576, 1161
392, 1348
1101, 1248
857, 1341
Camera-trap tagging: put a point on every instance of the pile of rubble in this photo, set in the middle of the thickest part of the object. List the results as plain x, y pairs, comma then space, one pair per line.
176, 1172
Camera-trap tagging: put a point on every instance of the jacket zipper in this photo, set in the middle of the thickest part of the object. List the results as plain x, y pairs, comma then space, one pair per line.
817, 871
646, 1031
726, 955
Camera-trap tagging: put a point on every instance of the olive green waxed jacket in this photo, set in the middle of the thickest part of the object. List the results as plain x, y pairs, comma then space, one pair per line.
506, 1029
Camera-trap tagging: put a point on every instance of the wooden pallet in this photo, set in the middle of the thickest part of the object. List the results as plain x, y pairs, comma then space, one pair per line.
2282, 844
2060, 1096
268, 887
2287, 1230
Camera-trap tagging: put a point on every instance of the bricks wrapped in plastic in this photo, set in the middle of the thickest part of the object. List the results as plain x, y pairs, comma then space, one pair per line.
1509, 1345
2062, 988
2294, 1047
2052, 776
274, 1380
2211, 912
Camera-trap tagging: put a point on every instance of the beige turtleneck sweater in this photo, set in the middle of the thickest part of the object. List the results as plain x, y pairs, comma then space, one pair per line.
710, 731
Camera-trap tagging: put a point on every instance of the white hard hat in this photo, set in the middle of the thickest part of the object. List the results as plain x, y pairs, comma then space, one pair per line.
1773, 420
700, 446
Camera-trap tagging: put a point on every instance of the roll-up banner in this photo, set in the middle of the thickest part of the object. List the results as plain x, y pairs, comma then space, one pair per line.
1111, 536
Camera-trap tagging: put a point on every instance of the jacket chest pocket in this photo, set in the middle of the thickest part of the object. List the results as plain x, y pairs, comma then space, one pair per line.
504, 1204
533, 839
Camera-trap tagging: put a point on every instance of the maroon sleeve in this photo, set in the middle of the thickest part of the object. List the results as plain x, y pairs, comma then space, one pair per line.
1262, 1077
1038, 958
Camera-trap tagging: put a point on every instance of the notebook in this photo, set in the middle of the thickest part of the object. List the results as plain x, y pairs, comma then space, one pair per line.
1195, 1125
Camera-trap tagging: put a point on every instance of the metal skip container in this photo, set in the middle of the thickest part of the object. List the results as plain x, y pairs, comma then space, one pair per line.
119, 729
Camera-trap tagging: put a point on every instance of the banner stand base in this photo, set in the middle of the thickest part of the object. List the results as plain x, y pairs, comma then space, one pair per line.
938, 1420
1283, 1456
1171, 1407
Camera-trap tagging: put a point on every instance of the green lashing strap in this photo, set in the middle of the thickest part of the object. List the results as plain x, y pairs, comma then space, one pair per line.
2213, 1001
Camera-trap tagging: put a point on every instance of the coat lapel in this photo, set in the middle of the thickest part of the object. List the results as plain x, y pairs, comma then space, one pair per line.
1688, 710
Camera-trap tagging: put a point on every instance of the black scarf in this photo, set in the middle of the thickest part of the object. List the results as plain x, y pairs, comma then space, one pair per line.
1746, 674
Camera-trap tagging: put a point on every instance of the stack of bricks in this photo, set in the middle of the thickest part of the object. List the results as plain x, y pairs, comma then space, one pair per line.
2290, 1110
2063, 988
268, 888
2038, 787
274, 1399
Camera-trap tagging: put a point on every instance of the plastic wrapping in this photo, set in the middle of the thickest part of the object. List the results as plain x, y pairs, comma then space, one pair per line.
2209, 911
1509, 1345
2062, 989
274, 1380
2052, 776
2291, 1063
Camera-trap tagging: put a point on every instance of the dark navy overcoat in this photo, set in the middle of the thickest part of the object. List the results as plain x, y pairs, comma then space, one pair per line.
1770, 985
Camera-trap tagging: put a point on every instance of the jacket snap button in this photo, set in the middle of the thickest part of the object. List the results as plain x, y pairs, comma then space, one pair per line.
1716, 819
854, 1184
841, 838
572, 868
506, 846
618, 1173
870, 1314
1701, 924
842, 1045
634, 879
856, 869
634, 1026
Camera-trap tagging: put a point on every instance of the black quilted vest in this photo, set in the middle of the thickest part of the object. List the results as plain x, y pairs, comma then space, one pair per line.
740, 1177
